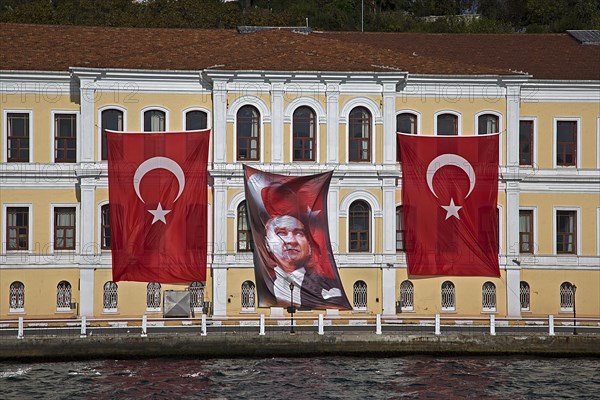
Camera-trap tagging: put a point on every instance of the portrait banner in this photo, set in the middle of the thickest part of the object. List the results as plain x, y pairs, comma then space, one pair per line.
157, 185
450, 198
293, 259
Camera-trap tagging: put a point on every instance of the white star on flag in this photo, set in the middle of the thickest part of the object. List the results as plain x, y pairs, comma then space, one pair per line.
452, 210
159, 214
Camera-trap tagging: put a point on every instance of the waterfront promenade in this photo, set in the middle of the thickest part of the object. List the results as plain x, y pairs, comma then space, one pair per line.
206, 337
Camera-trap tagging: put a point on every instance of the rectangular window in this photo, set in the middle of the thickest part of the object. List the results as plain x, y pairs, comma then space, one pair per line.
17, 137
65, 138
566, 143
566, 232
17, 228
400, 245
525, 142
64, 228
526, 231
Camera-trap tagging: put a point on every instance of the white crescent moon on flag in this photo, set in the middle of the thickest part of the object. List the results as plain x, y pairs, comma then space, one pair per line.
158, 163
256, 183
450, 159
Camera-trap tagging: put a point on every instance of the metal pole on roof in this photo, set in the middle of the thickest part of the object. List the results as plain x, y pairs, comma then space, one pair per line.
362, 15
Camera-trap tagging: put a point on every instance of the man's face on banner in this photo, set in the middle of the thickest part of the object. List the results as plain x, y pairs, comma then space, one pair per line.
287, 241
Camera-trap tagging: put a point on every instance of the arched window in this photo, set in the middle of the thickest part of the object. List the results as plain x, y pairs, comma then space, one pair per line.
488, 123
566, 296
154, 121
447, 125
400, 243
304, 134
244, 233
105, 242
405, 123
407, 296
248, 134
17, 297
360, 295
488, 296
110, 298
359, 135
525, 292
359, 224
63, 296
196, 296
248, 296
153, 296
448, 296
112, 120
196, 120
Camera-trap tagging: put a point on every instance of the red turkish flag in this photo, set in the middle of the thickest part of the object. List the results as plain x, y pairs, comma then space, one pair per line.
450, 197
157, 186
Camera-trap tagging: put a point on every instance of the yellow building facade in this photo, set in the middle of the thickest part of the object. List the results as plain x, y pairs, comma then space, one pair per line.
55, 260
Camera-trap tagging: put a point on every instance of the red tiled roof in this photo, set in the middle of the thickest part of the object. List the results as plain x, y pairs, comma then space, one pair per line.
58, 47
544, 56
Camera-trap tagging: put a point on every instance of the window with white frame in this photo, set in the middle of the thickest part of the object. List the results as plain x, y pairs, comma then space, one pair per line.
488, 297
248, 296
110, 297
196, 296
65, 138
248, 134
447, 125
566, 143
405, 123
304, 127
17, 228
245, 243
526, 231
566, 232
111, 119
196, 120
567, 296
525, 295
63, 296
17, 297
360, 296
400, 243
153, 296
488, 123
155, 121
448, 296
64, 228
105, 243
407, 296
359, 135
17, 137
526, 142
359, 218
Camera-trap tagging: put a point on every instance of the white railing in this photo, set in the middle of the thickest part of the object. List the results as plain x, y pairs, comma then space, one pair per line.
262, 324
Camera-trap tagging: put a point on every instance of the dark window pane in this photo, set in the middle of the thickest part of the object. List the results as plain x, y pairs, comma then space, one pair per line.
359, 129
113, 121
447, 125
304, 132
65, 140
17, 143
248, 134
196, 120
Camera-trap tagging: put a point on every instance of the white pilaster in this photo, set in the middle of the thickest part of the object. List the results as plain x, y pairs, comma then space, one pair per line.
513, 292
389, 216
219, 292
389, 123
388, 291
333, 107
277, 112
219, 269
513, 112
333, 217
219, 131
86, 292
86, 136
